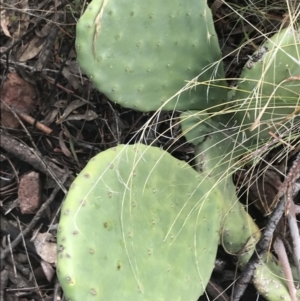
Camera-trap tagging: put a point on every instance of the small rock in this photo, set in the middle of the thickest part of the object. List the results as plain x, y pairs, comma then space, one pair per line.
30, 193
20, 95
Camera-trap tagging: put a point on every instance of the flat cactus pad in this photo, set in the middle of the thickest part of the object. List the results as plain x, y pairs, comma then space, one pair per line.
138, 224
140, 54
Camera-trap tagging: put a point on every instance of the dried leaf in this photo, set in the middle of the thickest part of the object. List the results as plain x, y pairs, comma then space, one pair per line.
4, 23
44, 32
63, 146
73, 66
70, 108
73, 80
31, 49
48, 270
51, 116
88, 116
34, 46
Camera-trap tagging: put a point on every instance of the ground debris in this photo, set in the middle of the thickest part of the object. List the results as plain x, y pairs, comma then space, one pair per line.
18, 95
29, 193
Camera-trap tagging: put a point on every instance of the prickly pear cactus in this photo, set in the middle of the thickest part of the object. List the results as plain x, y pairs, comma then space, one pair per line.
270, 282
137, 224
268, 94
140, 54
217, 153
216, 157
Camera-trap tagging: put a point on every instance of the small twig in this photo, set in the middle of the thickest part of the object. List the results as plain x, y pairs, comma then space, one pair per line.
8, 229
285, 197
29, 261
14, 112
36, 232
24, 116
35, 219
261, 247
294, 230
216, 292
3, 283
56, 289
42, 127
283, 259
34, 158
293, 189
289, 182
280, 140
12, 255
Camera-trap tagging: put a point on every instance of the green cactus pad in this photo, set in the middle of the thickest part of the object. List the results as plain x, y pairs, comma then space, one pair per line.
270, 280
137, 224
239, 233
270, 85
217, 156
140, 54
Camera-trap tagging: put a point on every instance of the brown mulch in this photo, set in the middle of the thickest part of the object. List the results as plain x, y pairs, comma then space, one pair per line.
53, 121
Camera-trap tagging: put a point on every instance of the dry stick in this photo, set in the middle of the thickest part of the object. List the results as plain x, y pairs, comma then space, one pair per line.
292, 191
35, 219
8, 229
261, 247
40, 126
216, 292
24, 116
56, 289
294, 230
34, 158
12, 256
30, 265
285, 196
289, 184
283, 258
3, 283
13, 111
